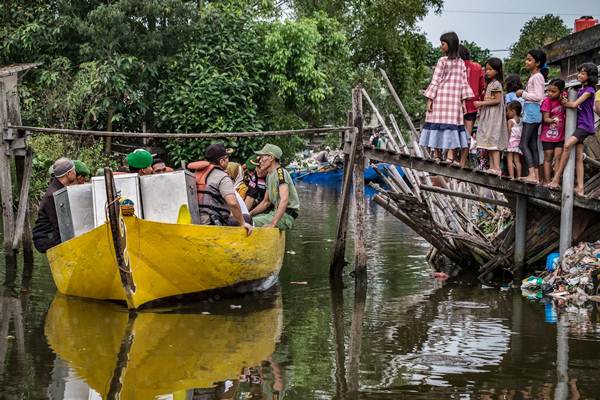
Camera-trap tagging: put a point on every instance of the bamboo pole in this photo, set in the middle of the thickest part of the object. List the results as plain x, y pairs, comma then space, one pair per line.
381, 120
400, 105
337, 263
201, 135
360, 265
464, 195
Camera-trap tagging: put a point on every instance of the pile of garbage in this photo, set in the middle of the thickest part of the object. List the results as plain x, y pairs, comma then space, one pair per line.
576, 281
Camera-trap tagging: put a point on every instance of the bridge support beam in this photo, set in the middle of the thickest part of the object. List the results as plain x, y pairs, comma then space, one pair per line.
520, 235
566, 213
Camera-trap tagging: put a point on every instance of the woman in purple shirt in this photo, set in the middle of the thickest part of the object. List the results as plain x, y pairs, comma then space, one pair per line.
588, 76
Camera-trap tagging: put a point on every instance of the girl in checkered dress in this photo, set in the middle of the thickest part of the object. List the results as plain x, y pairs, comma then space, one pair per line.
444, 127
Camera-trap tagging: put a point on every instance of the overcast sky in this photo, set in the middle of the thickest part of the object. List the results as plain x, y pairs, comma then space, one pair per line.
490, 25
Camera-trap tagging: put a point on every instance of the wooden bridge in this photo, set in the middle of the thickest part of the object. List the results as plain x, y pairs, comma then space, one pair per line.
548, 197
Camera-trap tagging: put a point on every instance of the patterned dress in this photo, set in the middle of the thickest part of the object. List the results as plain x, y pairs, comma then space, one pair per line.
444, 126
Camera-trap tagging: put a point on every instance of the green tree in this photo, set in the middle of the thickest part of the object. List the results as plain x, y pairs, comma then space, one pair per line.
382, 33
536, 33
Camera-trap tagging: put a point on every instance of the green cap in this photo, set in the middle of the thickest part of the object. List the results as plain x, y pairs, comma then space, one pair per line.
139, 158
81, 169
252, 163
271, 150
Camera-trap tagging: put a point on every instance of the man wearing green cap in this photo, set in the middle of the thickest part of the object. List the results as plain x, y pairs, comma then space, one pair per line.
82, 172
140, 162
281, 192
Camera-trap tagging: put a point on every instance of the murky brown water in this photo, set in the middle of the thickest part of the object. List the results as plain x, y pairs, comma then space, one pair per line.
419, 339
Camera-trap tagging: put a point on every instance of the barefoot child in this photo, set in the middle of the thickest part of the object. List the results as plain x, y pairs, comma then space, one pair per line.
492, 133
588, 76
513, 152
532, 116
553, 127
444, 127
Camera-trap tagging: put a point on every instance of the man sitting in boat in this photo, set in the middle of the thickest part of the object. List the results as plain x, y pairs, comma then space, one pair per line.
45, 232
140, 162
281, 192
82, 172
159, 166
256, 182
217, 199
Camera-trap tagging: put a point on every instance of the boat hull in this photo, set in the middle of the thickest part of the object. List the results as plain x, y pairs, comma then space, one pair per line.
159, 353
166, 260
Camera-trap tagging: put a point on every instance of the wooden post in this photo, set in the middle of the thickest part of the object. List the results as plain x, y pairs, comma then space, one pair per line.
356, 335
566, 213
23, 165
360, 266
338, 262
520, 235
337, 306
6, 183
21, 226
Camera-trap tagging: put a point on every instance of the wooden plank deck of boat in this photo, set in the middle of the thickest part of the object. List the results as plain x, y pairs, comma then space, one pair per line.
477, 177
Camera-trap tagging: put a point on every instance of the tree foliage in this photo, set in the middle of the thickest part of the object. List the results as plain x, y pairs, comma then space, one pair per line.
536, 33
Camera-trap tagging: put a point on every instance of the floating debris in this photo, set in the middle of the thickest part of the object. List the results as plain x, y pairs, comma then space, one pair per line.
577, 281
234, 306
299, 283
292, 252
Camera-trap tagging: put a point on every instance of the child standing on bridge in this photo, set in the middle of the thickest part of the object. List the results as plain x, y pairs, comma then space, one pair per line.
553, 127
444, 127
532, 116
588, 76
492, 132
513, 153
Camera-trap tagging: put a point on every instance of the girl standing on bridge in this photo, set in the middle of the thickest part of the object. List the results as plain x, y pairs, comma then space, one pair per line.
444, 127
588, 76
532, 116
492, 131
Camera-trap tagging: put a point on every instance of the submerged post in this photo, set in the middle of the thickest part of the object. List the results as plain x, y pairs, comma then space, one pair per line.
520, 235
338, 262
360, 255
566, 213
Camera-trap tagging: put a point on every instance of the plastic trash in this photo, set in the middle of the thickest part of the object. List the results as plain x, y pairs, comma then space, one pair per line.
552, 261
550, 312
533, 282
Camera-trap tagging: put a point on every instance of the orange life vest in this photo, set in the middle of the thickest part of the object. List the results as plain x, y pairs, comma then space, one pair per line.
210, 201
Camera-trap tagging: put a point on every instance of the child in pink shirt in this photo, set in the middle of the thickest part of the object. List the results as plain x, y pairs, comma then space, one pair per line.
553, 127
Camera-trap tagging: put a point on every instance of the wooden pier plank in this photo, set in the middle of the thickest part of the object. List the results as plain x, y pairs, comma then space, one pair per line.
478, 178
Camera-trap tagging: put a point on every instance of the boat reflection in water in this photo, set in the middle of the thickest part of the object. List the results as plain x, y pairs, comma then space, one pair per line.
183, 353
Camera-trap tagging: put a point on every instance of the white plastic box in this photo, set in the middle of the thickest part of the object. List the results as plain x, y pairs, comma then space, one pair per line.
128, 187
164, 194
74, 210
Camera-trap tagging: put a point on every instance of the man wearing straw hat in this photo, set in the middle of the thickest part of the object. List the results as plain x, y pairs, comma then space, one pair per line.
45, 232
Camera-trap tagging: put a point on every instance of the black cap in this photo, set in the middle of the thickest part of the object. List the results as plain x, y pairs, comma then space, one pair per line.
214, 152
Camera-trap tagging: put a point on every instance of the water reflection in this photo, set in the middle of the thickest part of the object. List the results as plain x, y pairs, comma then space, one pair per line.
177, 354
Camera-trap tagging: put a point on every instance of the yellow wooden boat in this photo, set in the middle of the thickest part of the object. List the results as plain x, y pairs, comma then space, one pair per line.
148, 354
166, 260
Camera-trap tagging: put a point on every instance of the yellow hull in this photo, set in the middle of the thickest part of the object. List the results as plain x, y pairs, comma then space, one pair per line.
166, 260
154, 354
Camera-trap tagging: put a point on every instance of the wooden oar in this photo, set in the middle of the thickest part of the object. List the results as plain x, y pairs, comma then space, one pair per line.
119, 236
